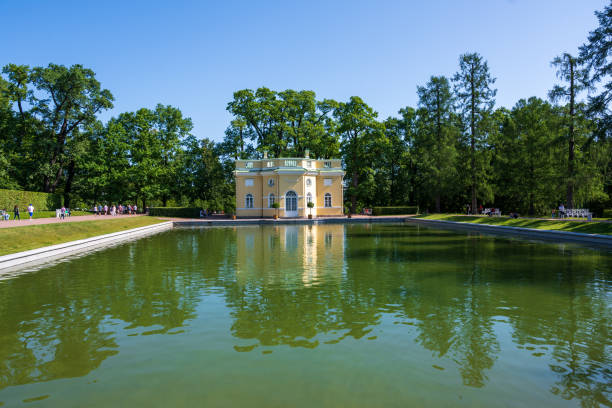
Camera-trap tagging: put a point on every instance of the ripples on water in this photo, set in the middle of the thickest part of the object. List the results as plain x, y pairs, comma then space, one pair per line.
358, 315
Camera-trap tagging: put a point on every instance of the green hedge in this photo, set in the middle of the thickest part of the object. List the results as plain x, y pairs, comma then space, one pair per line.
178, 212
40, 201
607, 213
395, 210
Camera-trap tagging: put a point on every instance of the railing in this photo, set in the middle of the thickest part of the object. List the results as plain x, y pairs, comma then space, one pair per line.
290, 163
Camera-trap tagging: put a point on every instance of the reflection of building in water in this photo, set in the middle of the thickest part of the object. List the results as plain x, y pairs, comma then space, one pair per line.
290, 254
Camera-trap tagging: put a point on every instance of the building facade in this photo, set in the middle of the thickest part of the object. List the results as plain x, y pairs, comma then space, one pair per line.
292, 182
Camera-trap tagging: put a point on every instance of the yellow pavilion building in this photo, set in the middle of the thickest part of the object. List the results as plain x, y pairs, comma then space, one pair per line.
292, 182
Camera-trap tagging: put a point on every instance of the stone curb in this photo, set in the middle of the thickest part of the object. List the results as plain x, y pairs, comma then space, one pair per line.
597, 239
60, 250
281, 221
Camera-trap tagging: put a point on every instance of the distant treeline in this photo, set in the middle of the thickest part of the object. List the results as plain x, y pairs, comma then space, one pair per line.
454, 148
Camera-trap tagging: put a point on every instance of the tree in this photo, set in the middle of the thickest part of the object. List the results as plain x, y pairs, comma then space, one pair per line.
201, 176
283, 123
476, 98
69, 98
595, 55
171, 128
435, 141
525, 165
576, 79
362, 139
393, 178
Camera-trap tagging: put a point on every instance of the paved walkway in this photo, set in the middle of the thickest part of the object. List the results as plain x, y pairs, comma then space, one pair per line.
77, 218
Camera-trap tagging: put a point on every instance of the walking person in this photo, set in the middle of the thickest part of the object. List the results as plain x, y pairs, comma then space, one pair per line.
62, 213
16, 213
31, 210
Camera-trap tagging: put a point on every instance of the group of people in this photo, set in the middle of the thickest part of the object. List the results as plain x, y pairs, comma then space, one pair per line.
62, 213
115, 209
5, 216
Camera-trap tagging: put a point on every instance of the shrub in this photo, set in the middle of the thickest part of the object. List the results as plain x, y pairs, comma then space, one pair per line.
607, 213
395, 210
40, 201
178, 212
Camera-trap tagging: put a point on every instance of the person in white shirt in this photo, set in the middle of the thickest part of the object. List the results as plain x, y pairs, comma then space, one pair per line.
31, 210
561, 211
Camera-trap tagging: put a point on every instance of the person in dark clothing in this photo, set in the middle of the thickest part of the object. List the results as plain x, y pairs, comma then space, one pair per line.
16, 214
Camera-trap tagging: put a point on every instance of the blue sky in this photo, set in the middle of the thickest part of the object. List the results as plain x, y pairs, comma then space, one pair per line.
195, 54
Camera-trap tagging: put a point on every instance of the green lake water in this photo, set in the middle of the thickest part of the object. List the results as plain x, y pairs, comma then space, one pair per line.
376, 315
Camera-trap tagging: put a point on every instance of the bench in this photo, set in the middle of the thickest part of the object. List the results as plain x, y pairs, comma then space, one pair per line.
492, 211
582, 213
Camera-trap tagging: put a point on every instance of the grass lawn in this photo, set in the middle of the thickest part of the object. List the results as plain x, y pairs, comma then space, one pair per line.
570, 226
19, 239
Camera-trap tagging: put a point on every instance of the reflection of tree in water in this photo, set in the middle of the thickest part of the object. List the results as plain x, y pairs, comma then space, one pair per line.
66, 320
304, 287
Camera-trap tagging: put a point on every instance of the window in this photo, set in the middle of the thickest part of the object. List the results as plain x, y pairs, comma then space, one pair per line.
328, 200
327, 164
308, 197
249, 165
308, 182
249, 201
271, 199
248, 182
327, 182
270, 182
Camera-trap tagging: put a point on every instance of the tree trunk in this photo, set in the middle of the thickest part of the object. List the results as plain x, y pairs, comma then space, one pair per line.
353, 196
439, 144
68, 188
473, 142
570, 155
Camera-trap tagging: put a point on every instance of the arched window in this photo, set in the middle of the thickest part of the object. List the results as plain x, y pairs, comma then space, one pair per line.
249, 201
327, 200
309, 197
271, 199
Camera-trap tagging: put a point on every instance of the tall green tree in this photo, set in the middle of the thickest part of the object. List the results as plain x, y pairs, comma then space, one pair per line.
393, 179
435, 142
66, 99
201, 176
575, 78
525, 165
596, 56
363, 140
283, 123
476, 98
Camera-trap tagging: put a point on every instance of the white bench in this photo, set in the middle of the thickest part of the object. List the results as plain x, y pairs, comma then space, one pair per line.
489, 211
578, 213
